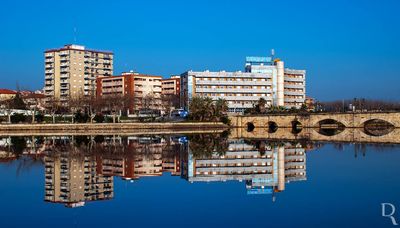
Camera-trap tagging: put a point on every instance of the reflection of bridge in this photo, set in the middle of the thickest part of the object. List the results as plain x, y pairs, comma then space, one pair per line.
349, 120
347, 135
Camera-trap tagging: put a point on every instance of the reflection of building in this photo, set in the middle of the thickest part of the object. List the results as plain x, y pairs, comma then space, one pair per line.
143, 156
265, 170
264, 77
73, 180
71, 71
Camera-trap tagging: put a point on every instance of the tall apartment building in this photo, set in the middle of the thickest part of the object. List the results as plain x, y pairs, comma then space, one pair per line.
71, 71
74, 180
294, 88
264, 78
289, 84
265, 172
144, 90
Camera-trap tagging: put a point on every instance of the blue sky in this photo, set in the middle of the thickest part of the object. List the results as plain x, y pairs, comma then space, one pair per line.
349, 48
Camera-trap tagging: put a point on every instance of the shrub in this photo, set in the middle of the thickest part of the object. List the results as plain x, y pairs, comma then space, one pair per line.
225, 120
39, 117
18, 118
81, 117
99, 118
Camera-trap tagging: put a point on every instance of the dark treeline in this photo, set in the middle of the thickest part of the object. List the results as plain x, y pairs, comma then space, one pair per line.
358, 104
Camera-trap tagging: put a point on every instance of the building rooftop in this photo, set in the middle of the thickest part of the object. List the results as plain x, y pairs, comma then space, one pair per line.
7, 91
258, 60
78, 48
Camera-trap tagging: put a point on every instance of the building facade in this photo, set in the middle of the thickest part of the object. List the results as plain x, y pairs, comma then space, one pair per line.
264, 78
71, 71
171, 86
143, 91
7, 94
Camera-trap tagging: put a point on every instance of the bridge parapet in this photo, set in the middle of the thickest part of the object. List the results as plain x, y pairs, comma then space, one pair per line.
312, 120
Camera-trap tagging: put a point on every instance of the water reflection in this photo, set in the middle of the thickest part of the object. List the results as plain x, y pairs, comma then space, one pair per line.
265, 169
81, 169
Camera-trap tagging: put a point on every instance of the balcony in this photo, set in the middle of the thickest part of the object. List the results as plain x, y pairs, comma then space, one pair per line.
64, 64
64, 87
64, 76
49, 71
294, 93
64, 69
49, 60
294, 86
48, 88
292, 79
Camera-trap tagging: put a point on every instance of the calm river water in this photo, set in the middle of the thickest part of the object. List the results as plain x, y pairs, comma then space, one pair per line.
195, 180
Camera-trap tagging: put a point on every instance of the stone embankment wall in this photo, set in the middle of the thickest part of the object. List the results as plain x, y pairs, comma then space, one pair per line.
110, 128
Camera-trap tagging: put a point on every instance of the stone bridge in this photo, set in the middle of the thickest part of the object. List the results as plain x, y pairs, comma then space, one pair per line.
314, 120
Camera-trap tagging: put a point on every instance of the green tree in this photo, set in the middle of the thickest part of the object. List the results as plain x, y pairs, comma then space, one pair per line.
17, 102
205, 109
220, 108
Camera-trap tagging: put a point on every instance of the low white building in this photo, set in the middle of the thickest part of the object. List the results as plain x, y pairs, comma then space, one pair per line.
263, 78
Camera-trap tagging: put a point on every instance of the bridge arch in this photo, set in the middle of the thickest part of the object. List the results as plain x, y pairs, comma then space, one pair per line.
272, 126
377, 127
250, 126
297, 126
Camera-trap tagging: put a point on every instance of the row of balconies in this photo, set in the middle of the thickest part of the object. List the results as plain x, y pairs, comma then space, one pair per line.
240, 98
234, 169
237, 83
231, 162
293, 79
233, 75
299, 100
219, 90
293, 93
294, 86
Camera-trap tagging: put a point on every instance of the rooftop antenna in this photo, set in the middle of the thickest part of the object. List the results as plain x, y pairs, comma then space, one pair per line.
75, 34
272, 54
